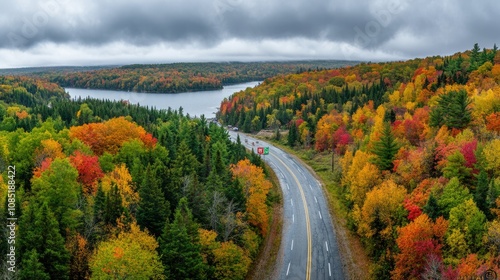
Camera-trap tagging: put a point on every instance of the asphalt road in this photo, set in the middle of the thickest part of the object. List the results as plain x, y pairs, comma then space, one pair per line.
309, 244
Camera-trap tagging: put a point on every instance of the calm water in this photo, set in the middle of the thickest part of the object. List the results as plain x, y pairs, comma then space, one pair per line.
195, 103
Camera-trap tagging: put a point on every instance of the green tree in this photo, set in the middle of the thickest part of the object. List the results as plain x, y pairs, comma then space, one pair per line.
293, 135
153, 210
455, 167
471, 222
58, 187
385, 149
481, 192
474, 58
452, 110
32, 268
85, 114
431, 208
180, 248
453, 195
39, 231
113, 206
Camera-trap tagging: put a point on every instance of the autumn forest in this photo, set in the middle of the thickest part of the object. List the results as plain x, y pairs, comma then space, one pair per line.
416, 146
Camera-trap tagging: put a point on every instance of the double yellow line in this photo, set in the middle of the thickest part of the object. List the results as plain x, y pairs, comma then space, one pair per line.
308, 224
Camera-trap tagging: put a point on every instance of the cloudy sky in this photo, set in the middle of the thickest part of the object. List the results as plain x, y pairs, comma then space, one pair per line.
103, 32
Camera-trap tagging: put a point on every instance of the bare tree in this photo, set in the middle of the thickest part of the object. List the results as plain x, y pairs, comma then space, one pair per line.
433, 268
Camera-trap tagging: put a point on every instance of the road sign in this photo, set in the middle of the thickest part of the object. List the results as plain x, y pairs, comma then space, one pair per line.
260, 150
266, 150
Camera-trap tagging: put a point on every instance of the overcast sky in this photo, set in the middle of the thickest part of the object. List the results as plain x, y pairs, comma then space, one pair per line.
103, 32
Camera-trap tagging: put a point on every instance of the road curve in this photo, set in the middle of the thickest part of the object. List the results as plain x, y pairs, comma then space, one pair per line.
309, 245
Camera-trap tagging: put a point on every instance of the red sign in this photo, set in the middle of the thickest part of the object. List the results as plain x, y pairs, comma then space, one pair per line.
260, 150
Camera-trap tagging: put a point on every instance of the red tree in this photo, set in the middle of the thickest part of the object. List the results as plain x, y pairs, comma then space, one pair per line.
89, 171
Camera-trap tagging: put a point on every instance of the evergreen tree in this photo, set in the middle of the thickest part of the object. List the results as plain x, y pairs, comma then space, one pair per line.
459, 113
238, 150
493, 193
39, 231
31, 267
292, 135
474, 58
180, 248
431, 208
99, 205
452, 110
114, 206
99, 216
385, 149
153, 210
247, 124
481, 192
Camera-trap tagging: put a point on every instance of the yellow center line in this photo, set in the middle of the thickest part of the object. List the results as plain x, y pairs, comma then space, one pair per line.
308, 225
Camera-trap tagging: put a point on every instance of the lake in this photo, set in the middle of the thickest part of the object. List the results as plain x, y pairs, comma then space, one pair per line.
195, 103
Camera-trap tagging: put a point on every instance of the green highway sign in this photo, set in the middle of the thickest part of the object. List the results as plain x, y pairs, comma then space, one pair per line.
266, 150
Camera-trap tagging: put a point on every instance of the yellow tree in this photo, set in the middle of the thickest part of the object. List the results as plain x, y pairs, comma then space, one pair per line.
231, 262
131, 255
121, 177
361, 176
491, 153
382, 211
255, 188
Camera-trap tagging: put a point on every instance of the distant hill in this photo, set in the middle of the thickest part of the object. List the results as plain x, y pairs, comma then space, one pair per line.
51, 69
175, 77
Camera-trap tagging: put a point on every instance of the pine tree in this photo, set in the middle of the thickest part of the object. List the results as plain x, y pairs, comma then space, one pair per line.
493, 193
481, 192
153, 210
40, 232
247, 124
474, 58
431, 208
32, 268
292, 135
114, 206
385, 149
180, 248
459, 113
99, 205
452, 110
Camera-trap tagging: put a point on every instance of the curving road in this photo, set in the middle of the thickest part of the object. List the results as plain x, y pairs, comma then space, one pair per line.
309, 243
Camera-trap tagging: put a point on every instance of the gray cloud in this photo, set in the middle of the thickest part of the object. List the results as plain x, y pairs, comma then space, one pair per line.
396, 28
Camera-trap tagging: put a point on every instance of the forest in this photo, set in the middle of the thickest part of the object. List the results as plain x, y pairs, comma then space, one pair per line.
417, 145
178, 77
95, 189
